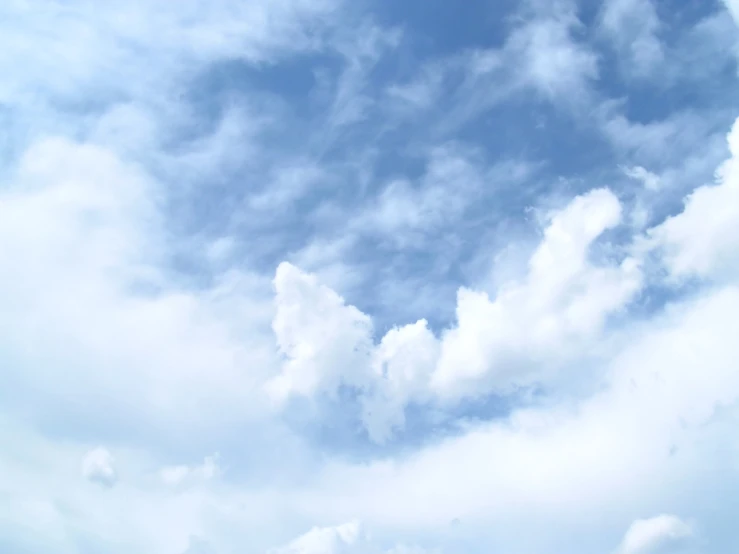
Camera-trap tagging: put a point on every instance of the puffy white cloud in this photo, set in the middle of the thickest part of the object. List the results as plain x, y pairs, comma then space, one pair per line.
649, 535
98, 467
572, 462
403, 363
702, 240
563, 299
95, 327
326, 343
496, 345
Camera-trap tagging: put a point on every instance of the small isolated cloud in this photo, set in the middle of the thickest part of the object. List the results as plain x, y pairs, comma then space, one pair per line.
177, 475
649, 536
98, 466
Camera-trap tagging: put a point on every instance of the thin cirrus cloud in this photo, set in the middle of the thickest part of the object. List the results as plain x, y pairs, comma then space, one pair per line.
421, 292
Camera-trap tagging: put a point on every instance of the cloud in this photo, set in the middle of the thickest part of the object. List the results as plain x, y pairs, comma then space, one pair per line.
211, 210
647, 178
563, 298
406, 212
633, 26
733, 7
496, 345
81, 235
648, 535
325, 342
568, 459
549, 57
176, 475
700, 240
98, 467
579, 456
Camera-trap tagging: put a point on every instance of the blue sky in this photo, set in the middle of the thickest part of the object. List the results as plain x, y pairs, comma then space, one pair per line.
372, 277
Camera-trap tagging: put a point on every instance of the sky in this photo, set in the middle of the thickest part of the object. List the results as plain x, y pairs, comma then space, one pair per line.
369, 277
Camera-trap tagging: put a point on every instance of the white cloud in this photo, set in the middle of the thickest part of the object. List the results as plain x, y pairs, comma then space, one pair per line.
650, 180
570, 462
98, 467
702, 240
563, 299
648, 535
403, 363
497, 345
545, 53
98, 331
176, 475
633, 27
421, 92
325, 342
733, 7
568, 459
404, 212
82, 245
100, 48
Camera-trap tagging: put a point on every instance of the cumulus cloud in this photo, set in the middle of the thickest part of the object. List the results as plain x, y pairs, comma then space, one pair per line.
650, 415
161, 161
326, 343
98, 466
496, 345
560, 462
702, 239
649, 535
563, 299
